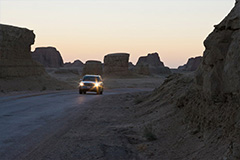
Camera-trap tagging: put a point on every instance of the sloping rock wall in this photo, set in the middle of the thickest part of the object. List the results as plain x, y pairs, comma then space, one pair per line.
210, 97
218, 74
15, 53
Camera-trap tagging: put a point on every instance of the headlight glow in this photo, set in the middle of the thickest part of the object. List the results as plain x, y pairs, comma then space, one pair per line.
97, 84
81, 84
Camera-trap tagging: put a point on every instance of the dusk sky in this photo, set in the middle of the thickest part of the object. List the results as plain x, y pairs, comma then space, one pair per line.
90, 29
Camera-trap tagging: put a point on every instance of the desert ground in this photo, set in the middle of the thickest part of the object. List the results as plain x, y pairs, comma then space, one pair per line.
123, 123
32, 120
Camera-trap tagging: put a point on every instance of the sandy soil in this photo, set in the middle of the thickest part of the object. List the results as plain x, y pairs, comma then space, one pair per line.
68, 78
73, 76
31, 84
126, 126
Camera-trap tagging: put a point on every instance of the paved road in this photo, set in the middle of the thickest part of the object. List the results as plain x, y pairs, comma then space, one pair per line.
26, 120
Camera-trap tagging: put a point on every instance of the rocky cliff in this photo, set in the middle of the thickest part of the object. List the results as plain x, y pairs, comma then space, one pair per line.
151, 64
48, 56
18, 71
152, 59
210, 97
15, 54
116, 64
219, 75
92, 67
191, 65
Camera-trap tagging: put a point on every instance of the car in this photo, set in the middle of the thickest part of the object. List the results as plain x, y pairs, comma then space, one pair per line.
92, 83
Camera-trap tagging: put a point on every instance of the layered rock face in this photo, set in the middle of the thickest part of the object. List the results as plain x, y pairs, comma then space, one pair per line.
48, 57
92, 67
151, 64
15, 53
116, 64
210, 97
192, 64
76, 63
219, 73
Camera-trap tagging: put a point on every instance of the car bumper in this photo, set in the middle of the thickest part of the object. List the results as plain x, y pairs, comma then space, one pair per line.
90, 88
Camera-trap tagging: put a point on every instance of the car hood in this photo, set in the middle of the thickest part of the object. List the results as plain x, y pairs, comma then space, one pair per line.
88, 82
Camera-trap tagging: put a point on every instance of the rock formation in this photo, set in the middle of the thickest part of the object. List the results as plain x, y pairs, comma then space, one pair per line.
15, 54
116, 64
192, 64
219, 73
48, 57
18, 71
209, 98
131, 66
92, 67
151, 59
76, 63
218, 81
151, 64
143, 69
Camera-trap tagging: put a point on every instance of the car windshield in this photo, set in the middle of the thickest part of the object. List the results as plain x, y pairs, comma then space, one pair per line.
94, 79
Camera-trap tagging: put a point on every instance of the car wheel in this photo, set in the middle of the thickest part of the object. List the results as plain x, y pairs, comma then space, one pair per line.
84, 92
100, 91
80, 91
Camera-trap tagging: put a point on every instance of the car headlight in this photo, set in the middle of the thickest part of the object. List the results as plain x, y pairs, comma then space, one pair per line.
97, 84
81, 84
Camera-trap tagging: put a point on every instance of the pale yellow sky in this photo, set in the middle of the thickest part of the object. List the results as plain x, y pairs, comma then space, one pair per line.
90, 29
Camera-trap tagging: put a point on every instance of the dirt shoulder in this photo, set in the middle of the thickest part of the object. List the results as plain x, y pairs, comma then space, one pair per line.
97, 133
122, 127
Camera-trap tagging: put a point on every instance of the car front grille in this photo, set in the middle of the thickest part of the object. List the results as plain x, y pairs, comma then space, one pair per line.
89, 84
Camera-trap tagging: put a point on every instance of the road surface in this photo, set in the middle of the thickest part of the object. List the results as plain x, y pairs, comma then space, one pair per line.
27, 120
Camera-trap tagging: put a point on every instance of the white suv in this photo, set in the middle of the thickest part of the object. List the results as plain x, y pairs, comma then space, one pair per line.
91, 83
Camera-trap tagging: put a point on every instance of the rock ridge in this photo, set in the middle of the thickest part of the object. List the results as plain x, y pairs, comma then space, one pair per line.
15, 54
48, 56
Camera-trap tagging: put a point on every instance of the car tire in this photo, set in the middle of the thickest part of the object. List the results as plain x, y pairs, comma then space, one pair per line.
84, 92
100, 91
80, 91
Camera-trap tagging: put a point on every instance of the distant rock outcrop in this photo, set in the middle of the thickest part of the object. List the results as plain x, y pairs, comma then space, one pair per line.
116, 64
76, 63
48, 57
131, 66
152, 59
151, 64
15, 54
92, 67
192, 64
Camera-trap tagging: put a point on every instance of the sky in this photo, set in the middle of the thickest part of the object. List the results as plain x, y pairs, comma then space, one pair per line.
90, 29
